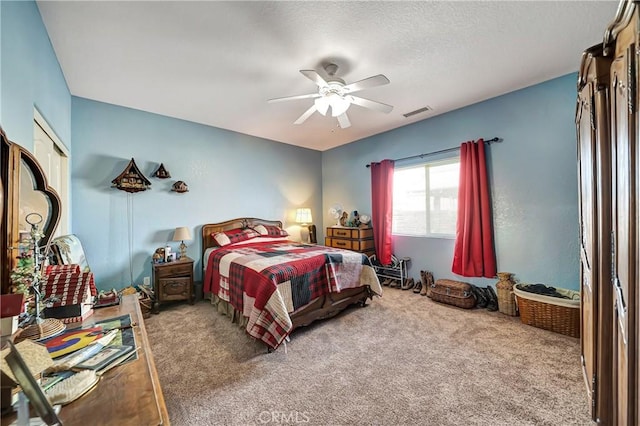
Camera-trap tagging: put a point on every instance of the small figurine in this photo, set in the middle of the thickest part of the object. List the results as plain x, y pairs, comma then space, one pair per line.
105, 298
344, 219
356, 219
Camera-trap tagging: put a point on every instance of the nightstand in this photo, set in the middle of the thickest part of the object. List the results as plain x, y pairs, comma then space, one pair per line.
172, 281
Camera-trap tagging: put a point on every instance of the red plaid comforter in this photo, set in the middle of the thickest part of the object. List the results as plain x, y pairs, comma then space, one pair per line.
268, 281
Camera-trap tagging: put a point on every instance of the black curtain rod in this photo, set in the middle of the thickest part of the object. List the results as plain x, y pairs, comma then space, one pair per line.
488, 141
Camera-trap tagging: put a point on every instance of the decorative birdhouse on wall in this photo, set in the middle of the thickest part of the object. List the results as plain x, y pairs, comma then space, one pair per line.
180, 186
162, 173
131, 179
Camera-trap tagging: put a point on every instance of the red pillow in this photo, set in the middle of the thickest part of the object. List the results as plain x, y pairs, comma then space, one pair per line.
270, 231
234, 236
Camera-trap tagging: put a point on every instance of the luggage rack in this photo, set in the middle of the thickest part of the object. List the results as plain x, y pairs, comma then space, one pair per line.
396, 270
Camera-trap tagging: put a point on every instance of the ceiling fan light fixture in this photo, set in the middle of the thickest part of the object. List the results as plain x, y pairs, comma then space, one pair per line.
339, 105
322, 105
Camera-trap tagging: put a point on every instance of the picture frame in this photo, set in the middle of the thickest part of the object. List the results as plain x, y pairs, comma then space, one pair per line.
105, 357
171, 257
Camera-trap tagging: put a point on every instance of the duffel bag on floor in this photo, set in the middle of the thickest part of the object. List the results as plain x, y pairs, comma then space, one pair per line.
456, 293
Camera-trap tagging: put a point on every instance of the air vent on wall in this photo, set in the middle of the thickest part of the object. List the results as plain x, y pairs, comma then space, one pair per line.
418, 111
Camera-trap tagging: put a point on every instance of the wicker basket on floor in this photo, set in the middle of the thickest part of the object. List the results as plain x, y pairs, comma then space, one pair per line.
146, 305
550, 313
506, 298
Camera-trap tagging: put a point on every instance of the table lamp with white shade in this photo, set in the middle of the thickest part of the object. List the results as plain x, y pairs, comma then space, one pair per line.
303, 217
181, 234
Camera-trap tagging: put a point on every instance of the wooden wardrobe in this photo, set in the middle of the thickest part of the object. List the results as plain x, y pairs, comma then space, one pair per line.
607, 123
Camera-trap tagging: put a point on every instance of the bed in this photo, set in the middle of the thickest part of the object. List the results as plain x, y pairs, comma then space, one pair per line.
272, 285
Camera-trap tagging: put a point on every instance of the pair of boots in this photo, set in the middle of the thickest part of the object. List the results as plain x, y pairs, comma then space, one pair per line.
486, 297
408, 284
426, 278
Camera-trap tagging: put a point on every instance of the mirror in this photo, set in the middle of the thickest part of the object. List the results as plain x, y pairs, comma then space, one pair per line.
31, 201
24, 190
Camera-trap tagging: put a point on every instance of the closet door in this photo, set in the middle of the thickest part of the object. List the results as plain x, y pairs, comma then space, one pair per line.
586, 154
603, 401
637, 273
594, 169
623, 82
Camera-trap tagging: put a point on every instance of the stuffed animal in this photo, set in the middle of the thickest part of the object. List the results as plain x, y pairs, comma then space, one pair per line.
344, 219
158, 256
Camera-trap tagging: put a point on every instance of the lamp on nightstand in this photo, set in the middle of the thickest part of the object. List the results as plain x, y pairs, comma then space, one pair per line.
303, 217
182, 233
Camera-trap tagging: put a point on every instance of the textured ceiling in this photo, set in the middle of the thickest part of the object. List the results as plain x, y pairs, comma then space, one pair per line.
218, 63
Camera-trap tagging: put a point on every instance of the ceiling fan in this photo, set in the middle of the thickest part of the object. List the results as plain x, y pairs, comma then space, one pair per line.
334, 93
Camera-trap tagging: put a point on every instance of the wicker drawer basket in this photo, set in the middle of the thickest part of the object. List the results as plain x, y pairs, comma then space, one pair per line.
550, 313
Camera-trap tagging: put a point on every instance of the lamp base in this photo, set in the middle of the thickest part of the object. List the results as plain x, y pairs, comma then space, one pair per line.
304, 233
183, 250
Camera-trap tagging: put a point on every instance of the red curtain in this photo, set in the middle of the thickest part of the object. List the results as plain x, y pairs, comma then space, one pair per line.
474, 254
382, 208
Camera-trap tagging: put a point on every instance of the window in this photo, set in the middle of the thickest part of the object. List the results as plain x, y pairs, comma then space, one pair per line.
425, 199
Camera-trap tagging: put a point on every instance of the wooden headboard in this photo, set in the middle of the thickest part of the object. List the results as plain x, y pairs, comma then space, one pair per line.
241, 222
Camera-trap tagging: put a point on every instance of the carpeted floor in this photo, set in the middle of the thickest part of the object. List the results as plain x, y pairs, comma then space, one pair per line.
403, 359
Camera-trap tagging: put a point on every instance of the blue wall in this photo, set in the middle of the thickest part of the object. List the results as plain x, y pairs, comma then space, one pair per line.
533, 177
30, 76
229, 175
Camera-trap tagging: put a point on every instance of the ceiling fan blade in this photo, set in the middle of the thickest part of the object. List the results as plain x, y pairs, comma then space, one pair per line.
376, 80
315, 77
378, 106
306, 115
290, 98
343, 120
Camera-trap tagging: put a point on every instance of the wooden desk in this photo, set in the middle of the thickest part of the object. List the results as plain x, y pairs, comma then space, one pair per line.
129, 394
